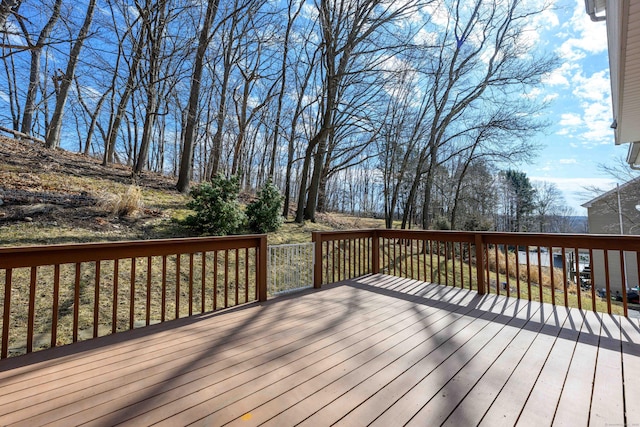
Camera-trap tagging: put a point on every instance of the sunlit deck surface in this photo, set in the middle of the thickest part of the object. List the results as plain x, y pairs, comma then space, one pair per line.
377, 350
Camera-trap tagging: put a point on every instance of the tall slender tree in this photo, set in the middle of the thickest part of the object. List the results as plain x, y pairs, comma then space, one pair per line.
53, 131
186, 164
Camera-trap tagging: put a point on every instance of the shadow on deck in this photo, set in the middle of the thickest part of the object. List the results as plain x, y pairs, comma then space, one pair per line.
378, 350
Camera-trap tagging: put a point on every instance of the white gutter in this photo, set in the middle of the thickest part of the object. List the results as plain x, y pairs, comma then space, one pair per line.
594, 6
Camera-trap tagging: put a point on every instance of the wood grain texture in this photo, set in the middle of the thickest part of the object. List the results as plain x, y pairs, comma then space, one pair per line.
377, 350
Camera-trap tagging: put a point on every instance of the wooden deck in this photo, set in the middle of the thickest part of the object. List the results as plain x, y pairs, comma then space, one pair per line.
379, 350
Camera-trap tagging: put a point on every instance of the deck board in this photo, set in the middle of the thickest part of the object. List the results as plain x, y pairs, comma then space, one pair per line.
509, 402
481, 395
541, 405
630, 337
377, 350
574, 404
607, 402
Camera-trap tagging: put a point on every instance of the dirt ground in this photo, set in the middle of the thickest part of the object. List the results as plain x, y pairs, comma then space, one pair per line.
48, 189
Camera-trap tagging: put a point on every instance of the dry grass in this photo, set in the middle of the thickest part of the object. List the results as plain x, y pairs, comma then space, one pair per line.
126, 204
508, 266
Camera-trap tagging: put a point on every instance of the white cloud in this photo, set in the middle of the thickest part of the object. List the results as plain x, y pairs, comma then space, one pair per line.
590, 116
560, 76
570, 119
438, 14
425, 37
593, 93
585, 37
568, 161
533, 93
4, 97
546, 20
594, 88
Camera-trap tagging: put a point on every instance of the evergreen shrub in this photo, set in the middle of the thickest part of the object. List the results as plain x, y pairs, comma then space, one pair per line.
216, 206
264, 213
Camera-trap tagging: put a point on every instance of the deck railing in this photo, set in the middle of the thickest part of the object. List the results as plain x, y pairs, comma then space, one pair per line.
53, 295
592, 272
59, 294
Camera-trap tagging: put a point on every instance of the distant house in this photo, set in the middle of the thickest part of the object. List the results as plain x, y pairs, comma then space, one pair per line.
615, 212
604, 213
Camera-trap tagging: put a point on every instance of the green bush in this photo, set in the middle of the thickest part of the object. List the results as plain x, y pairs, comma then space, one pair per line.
216, 206
264, 212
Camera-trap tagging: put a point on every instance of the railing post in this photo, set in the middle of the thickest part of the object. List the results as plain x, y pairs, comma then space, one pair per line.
262, 269
316, 238
479, 264
375, 252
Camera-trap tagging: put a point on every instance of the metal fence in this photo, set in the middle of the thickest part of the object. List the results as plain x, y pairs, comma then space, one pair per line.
290, 267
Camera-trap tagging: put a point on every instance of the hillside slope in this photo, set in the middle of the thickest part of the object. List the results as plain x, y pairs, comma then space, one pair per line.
55, 196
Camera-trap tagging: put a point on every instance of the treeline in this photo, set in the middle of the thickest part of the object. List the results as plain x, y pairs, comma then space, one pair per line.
406, 109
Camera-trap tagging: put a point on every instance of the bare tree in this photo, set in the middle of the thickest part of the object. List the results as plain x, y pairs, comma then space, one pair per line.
548, 203
117, 115
53, 131
347, 30
34, 74
481, 58
186, 164
8, 7
155, 21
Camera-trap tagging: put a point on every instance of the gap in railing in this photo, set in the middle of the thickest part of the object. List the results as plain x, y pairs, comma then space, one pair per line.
290, 267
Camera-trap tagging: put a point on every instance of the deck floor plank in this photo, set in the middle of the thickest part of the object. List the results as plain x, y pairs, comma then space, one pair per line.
450, 396
268, 387
195, 406
365, 402
416, 386
507, 406
543, 400
607, 403
288, 409
482, 394
376, 350
575, 400
630, 337
349, 402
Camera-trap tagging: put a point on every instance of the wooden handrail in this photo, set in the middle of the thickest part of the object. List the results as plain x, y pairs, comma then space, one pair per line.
407, 257
191, 274
33, 256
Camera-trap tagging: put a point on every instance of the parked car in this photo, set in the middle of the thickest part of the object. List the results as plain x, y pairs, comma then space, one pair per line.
632, 295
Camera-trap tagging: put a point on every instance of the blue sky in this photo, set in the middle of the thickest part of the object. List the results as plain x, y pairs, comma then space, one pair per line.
579, 92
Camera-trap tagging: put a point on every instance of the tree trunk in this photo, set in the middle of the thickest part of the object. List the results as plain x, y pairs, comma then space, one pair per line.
300, 217
186, 160
7, 7
281, 94
53, 132
114, 127
154, 38
34, 72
